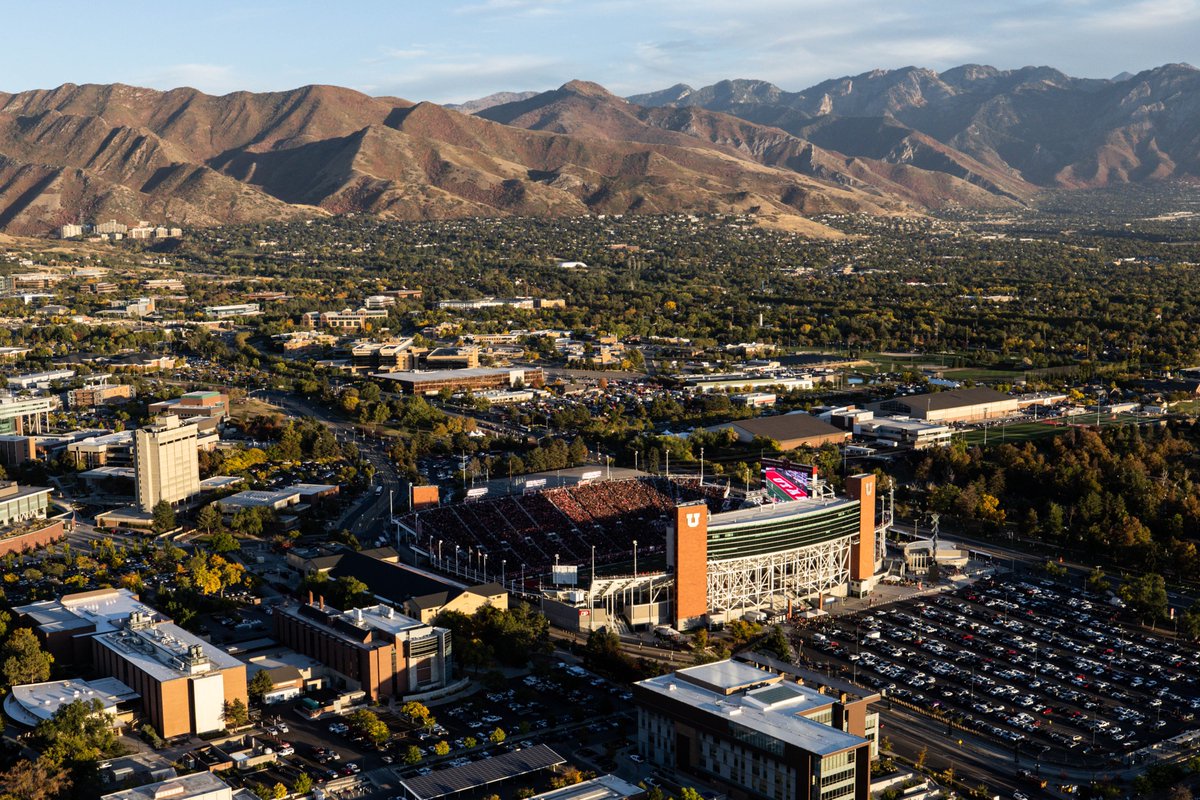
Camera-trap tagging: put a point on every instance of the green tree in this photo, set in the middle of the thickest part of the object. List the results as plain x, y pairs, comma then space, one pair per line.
470, 742
777, 643
441, 748
412, 755
303, 784
1146, 596
22, 659
1189, 623
1055, 570
247, 521
279, 791
688, 793
235, 713
224, 542
77, 737
1097, 582
259, 685
209, 519
164, 517
497, 736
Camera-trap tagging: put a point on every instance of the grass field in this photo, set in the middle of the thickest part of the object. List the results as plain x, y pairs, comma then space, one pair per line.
1025, 431
984, 375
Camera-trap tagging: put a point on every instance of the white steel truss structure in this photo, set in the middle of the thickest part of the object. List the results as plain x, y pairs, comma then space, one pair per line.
757, 581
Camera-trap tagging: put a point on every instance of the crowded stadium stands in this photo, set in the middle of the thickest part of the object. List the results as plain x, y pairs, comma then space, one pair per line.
531, 530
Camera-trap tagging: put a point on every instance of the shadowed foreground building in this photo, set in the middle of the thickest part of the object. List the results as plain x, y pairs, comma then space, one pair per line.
757, 734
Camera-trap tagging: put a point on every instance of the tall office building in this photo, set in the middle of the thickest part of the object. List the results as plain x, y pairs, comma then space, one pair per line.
165, 462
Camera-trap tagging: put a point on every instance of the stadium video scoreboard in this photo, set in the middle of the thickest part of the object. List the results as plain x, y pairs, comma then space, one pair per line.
785, 481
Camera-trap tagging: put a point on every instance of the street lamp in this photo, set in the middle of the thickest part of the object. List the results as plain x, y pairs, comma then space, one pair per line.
503, 562
635, 572
456, 549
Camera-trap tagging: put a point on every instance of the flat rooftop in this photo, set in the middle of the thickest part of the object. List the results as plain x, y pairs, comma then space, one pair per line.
180, 788
774, 707
604, 787
43, 700
481, 773
770, 512
101, 609
257, 497
166, 651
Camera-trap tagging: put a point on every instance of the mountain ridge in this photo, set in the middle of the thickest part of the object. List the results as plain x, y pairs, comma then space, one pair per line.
898, 141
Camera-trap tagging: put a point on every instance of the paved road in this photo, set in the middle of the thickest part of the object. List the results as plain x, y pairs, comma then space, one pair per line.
369, 518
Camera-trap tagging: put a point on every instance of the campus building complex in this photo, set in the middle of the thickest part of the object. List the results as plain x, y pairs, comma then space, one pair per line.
183, 682
757, 734
375, 649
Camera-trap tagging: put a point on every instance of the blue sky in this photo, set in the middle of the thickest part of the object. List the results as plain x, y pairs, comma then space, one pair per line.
451, 51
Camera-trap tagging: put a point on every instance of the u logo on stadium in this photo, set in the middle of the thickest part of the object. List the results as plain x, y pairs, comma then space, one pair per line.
693, 519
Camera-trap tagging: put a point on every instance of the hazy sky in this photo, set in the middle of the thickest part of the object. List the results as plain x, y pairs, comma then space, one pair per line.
449, 51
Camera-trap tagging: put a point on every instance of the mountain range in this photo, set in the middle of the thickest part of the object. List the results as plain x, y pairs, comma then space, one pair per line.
884, 142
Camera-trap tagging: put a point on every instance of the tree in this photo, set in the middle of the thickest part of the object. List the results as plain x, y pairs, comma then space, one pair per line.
164, 517
417, 712
235, 713
77, 736
22, 659
1097, 582
470, 742
1146, 596
279, 791
777, 643
209, 519
247, 521
303, 784
35, 780
350, 590
441, 748
224, 542
370, 725
259, 685
497, 736
1189, 622
1055, 570
688, 793
412, 755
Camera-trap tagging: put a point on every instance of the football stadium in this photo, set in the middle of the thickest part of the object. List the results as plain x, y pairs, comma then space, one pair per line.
655, 551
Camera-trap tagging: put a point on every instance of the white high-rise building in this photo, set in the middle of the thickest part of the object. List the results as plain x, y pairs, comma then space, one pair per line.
165, 462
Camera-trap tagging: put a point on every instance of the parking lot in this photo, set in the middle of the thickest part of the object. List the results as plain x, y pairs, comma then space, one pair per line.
585, 718
1039, 667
